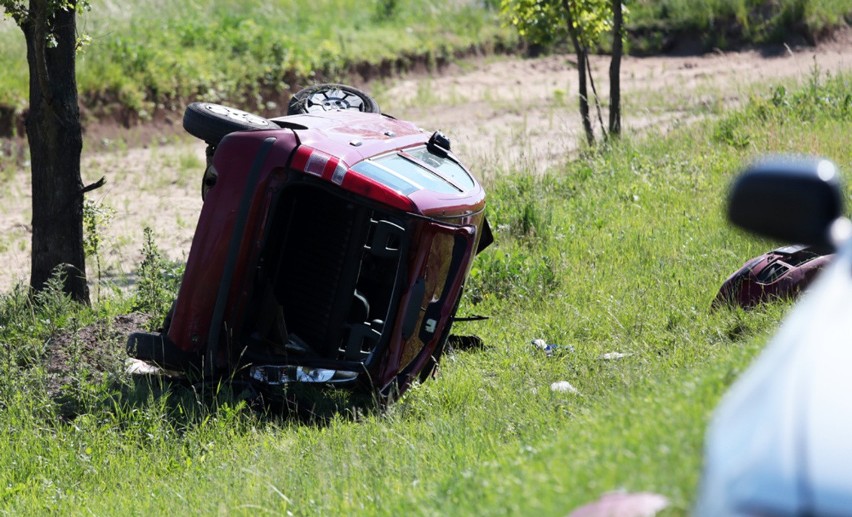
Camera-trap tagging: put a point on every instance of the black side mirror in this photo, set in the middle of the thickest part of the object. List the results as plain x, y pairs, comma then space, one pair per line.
791, 199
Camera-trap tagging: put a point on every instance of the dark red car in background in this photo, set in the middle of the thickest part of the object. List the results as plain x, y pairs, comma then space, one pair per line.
778, 274
332, 247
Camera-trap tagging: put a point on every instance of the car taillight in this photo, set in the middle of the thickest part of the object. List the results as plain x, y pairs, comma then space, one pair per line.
333, 169
319, 164
374, 190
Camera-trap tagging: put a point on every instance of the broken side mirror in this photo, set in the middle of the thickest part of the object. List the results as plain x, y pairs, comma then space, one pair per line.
792, 199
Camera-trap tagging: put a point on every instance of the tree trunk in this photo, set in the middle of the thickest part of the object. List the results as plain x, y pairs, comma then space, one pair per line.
585, 113
615, 70
56, 141
582, 57
596, 97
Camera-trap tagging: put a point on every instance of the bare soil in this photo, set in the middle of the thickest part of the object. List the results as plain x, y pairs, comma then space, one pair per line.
515, 114
503, 115
91, 350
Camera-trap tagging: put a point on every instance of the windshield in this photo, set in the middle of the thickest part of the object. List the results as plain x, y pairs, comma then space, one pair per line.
446, 166
416, 169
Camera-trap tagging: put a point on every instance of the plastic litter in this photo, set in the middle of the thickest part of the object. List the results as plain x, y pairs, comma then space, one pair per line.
141, 368
551, 349
613, 356
563, 387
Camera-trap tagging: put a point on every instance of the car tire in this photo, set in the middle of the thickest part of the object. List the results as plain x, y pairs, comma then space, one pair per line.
330, 97
211, 122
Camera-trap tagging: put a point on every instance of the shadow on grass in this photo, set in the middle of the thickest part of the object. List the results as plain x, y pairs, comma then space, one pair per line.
85, 372
87, 375
187, 403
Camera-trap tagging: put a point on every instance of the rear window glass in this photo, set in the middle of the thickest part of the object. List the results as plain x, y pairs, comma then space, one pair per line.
417, 174
446, 166
385, 177
417, 169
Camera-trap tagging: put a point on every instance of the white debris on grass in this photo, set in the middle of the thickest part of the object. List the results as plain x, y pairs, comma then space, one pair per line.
539, 343
563, 387
549, 348
134, 366
612, 356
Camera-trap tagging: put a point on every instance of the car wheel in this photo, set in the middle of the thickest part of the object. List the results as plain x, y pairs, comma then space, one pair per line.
331, 97
211, 122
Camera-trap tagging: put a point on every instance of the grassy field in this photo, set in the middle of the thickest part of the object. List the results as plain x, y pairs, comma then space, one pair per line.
145, 55
147, 58
725, 23
618, 251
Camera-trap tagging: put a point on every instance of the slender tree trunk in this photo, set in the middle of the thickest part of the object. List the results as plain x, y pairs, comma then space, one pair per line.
597, 98
615, 70
585, 113
582, 57
55, 139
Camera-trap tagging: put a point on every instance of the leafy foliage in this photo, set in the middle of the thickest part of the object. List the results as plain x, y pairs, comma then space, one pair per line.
20, 12
545, 21
823, 98
96, 217
158, 279
151, 55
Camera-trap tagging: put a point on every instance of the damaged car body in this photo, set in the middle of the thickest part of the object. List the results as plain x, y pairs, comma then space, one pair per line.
332, 247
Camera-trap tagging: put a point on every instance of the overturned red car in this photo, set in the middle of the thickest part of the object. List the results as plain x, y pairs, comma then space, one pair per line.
779, 274
332, 247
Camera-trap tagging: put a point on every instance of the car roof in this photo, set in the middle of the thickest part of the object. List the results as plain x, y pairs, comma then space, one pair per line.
353, 136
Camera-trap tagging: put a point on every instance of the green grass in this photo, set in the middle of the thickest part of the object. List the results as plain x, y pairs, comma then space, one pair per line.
618, 251
730, 23
152, 55
750, 15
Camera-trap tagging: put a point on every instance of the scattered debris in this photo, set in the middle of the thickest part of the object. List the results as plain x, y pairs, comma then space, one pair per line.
623, 504
136, 367
613, 356
564, 387
550, 349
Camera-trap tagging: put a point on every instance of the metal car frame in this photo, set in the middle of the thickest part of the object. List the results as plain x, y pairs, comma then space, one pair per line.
314, 261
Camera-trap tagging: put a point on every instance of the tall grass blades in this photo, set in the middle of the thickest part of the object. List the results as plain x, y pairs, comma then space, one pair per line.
613, 260
158, 279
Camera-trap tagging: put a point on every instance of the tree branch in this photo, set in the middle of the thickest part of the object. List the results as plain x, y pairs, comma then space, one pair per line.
582, 58
92, 186
597, 99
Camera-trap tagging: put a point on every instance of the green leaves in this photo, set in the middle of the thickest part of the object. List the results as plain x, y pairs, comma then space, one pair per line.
15, 9
545, 21
45, 11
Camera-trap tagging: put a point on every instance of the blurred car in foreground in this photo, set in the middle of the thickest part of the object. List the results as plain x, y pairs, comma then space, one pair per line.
780, 442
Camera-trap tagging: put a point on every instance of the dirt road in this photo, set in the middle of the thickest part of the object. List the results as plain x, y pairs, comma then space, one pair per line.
510, 114
503, 115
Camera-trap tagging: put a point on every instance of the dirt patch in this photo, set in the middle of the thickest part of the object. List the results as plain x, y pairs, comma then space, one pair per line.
504, 116
508, 115
87, 353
